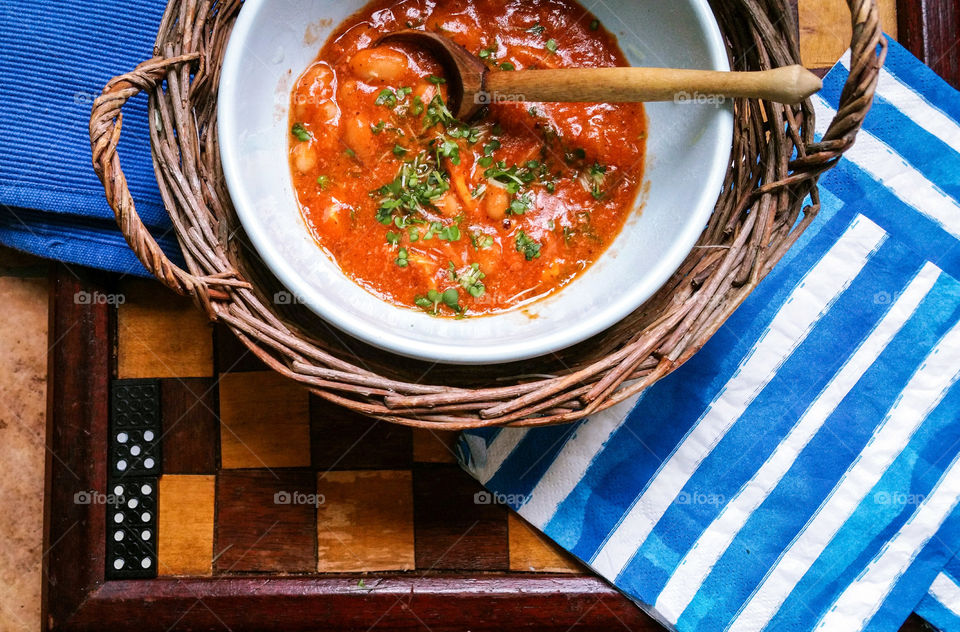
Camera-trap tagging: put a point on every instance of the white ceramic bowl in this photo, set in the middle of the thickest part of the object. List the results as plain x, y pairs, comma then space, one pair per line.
688, 148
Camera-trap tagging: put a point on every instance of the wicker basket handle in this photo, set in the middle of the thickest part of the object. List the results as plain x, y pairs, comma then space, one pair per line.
106, 121
856, 98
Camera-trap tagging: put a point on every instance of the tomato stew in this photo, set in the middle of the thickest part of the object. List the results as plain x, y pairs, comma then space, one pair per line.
460, 218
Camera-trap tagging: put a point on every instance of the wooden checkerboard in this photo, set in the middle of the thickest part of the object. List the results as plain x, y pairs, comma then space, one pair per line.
259, 476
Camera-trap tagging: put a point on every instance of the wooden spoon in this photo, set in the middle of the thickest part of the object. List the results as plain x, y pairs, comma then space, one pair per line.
472, 85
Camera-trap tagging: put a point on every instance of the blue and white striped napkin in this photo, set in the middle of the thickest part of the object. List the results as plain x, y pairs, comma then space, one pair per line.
54, 64
803, 470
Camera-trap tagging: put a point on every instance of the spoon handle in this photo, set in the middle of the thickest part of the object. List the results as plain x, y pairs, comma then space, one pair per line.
790, 84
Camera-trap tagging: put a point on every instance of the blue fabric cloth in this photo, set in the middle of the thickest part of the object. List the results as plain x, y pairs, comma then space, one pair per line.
56, 57
802, 471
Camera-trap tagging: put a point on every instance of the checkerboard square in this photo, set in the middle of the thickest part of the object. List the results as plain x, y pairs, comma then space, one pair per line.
457, 527
191, 429
365, 522
185, 525
161, 338
342, 439
266, 521
265, 421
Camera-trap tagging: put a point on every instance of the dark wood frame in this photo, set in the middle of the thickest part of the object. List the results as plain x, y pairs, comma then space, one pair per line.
76, 596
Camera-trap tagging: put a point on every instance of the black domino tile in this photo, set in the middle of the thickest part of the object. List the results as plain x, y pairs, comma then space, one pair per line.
134, 465
132, 529
135, 428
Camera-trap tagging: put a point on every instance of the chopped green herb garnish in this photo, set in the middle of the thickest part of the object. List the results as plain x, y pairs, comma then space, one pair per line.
527, 246
470, 279
516, 177
436, 80
399, 150
413, 233
301, 132
437, 112
447, 233
418, 184
402, 221
507, 66
323, 181
387, 97
481, 241
401, 259
425, 303
350, 153
376, 129
520, 205
416, 108
451, 298
597, 175
450, 233
431, 302
449, 149
491, 147
485, 162
536, 29
469, 134
594, 25
551, 45
487, 53
533, 112
478, 192
393, 238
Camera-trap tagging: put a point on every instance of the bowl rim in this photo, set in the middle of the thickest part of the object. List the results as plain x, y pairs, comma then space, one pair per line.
721, 128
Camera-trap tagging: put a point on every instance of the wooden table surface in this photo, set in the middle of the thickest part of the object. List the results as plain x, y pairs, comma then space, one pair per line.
394, 517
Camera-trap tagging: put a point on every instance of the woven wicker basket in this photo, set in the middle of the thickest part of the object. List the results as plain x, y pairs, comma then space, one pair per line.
753, 225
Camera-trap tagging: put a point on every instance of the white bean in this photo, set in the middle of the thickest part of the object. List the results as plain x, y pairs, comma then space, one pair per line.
378, 64
304, 157
495, 202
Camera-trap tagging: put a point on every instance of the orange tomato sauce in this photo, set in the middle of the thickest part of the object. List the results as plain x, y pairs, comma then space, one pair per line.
455, 218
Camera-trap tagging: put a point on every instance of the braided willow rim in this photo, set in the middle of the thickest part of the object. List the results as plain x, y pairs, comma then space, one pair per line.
774, 167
